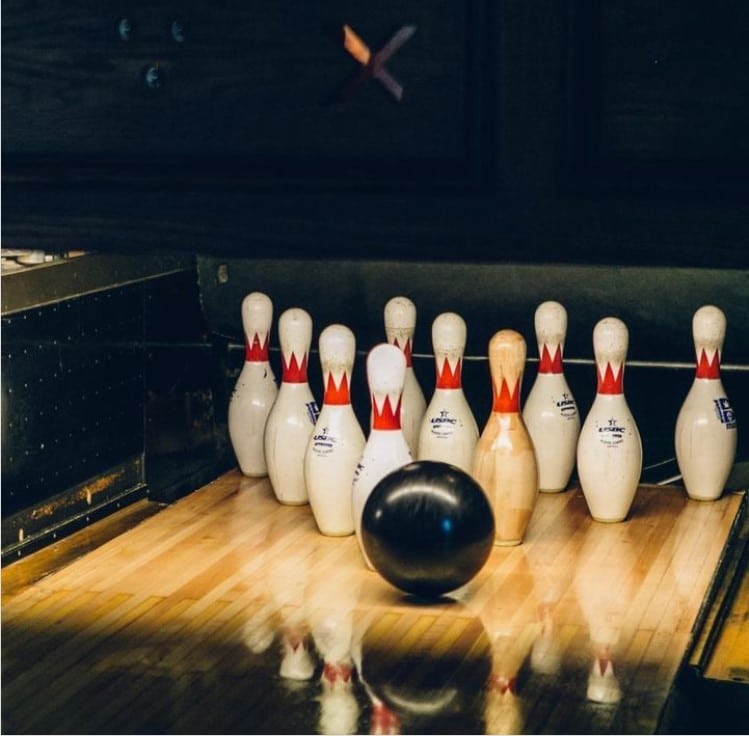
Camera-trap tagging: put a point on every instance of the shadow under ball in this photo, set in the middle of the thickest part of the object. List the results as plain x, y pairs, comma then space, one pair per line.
428, 528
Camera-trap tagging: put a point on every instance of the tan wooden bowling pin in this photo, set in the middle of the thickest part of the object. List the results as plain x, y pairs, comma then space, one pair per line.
505, 461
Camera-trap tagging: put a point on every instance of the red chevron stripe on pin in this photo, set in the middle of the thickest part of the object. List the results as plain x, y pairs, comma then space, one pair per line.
707, 368
337, 395
334, 673
406, 350
255, 352
293, 372
446, 377
503, 684
610, 383
506, 402
549, 364
383, 720
389, 417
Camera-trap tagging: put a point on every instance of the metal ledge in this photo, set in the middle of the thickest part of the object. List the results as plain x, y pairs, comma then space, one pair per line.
57, 281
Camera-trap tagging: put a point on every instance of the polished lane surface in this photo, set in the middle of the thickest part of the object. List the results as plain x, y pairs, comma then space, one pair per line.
227, 612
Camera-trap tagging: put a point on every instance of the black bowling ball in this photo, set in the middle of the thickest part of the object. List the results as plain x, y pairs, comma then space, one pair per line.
427, 528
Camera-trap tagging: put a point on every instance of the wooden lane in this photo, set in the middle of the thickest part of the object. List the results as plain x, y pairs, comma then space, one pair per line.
168, 622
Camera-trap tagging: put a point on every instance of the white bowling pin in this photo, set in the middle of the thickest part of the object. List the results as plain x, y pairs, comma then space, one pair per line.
449, 432
504, 463
294, 413
609, 451
706, 433
550, 412
386, 449
400, 324
255, 389
337, 441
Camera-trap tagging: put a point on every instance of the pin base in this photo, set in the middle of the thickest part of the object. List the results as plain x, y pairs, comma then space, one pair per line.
706, 497
507, 542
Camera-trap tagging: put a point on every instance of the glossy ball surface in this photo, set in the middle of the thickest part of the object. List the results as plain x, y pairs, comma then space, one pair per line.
427, 528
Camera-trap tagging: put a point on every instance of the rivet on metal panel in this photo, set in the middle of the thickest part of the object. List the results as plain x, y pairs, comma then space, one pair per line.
153, 77
177, 30
222, 274
125, 29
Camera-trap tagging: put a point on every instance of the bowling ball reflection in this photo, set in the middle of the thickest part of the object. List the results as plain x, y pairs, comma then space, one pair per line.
427, 528
433, 677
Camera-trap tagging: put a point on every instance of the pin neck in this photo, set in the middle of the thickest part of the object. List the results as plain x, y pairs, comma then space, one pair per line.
506, 401
254, 350
387, 418
610, 382
448, 378
405, 348
337, 395
549, 363
708, 368
294, 372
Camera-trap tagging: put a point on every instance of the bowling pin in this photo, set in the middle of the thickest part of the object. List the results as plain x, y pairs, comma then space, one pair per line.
505, 461
400, 324
386, 449
337, 441
706, 433
609, 451
449, 432
550, 412
255, 389
294, 413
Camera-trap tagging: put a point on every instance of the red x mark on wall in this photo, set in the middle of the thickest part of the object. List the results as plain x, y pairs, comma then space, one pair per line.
373, 65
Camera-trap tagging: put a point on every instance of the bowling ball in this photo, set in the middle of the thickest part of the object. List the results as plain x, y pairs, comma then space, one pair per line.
427, 528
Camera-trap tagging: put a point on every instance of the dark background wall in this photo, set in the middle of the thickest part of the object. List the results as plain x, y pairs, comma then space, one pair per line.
567, 131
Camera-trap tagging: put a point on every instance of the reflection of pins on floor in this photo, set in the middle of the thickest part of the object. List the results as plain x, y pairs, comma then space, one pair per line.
383, 720
296, 661
258, 631
294, 413
449, 432
386, 449
603, 684
550, 411
503, 711
606, 587
255, 389
609, 451
706, 434
400, 325
339, 708
337, 442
